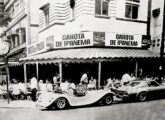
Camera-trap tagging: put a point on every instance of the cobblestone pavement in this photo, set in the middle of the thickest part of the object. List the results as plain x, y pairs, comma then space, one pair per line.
150, 110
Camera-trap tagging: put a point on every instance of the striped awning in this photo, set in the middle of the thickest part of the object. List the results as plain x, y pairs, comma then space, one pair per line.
91, 53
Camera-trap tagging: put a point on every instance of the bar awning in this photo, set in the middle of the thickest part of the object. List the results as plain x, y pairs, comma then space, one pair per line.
68, 55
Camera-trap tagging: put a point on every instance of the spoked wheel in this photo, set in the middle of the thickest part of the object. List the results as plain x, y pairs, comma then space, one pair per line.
108, 99
61, 103
142, 96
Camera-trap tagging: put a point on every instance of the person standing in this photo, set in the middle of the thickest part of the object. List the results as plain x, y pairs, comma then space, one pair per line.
33, 87
55, 81
84, 79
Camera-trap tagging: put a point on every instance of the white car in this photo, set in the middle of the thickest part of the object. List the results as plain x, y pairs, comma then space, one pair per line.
140, 90
51, 100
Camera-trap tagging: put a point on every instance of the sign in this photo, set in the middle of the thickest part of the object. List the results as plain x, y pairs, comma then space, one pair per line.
123, 40
146, 40
50, 42
38, 47
74, 40
98, 38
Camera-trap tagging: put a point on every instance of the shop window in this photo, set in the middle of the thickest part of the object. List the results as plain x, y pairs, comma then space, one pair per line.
101, 7
131, 10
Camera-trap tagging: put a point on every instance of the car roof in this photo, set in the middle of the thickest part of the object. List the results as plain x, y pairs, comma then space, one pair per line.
139, 80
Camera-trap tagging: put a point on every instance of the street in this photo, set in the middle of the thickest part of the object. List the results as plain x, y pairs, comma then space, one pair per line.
150, 110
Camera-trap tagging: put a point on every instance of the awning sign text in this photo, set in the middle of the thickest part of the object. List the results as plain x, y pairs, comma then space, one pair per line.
123, 40
74, 40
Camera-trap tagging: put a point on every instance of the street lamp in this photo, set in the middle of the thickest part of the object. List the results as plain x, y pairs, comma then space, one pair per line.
4, 50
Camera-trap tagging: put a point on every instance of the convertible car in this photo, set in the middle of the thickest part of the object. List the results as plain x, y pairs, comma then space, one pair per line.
140, 90
52, 100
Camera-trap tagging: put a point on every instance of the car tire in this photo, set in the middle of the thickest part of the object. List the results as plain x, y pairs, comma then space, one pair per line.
142, 96
61, 103
108, 99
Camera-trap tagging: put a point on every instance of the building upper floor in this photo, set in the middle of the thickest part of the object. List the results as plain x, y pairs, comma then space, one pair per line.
91, 12
21, 9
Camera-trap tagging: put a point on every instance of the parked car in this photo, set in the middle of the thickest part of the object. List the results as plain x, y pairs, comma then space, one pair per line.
52, 100
140, 90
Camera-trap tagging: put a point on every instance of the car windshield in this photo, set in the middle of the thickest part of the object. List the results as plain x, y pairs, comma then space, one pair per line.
133, 84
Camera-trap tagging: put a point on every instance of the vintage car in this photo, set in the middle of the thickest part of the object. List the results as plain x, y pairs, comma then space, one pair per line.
52, 100
140, 90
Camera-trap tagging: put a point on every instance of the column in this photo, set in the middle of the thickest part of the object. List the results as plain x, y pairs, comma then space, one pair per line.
136, 69
25, 73
99, 74
1, 73
37, 70
60, 71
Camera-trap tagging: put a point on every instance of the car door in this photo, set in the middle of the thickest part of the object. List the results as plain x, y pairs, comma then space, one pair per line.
155, 88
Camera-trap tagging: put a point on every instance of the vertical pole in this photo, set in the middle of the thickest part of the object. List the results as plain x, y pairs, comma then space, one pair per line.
60, 71
136, 69
37, 70
7, 77
99, 75
25, 73
2, 73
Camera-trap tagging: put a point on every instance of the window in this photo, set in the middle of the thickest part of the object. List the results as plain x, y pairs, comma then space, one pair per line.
23, 35
45, 10
131, 10
153, 84
101, 7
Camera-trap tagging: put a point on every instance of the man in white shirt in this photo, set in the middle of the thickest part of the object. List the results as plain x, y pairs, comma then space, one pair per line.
126, 78
84, 79
33, 86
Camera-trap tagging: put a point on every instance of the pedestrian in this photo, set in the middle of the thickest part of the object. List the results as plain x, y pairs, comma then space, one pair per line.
49, 86
126, 78
33, 87
110, 84
92, 83
56, 81
15, 91
84, 79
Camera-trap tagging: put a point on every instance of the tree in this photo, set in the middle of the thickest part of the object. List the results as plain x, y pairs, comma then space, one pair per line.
4, 16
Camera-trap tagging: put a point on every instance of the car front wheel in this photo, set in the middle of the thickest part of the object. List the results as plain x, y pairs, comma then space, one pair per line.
142, 96
61, 103
108, 99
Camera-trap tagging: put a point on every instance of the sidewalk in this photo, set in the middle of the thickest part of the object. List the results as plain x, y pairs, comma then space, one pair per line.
22, 104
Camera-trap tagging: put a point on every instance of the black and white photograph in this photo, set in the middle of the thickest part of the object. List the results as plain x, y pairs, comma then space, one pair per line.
82, 59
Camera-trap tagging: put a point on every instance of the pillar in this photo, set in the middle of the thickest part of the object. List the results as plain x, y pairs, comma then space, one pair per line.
99, 75
136, 69
25, 73
37, 70
60, 71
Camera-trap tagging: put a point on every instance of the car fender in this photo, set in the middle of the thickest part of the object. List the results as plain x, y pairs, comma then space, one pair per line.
141, 90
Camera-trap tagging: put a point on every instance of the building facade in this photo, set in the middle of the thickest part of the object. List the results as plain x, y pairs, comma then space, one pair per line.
21, 31
156, 30
93, 16
109, 38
